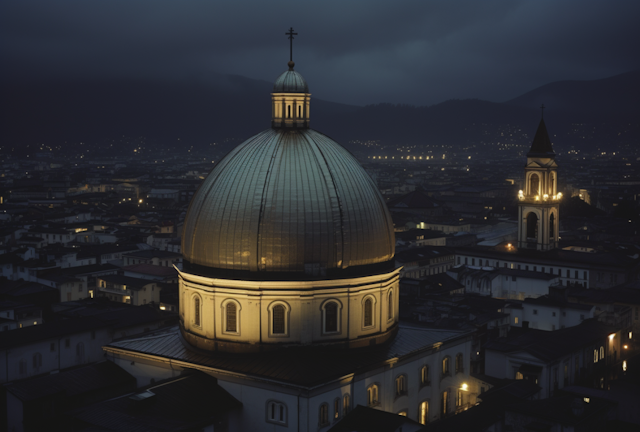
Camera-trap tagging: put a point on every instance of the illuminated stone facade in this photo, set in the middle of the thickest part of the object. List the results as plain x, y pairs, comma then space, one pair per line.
539, 202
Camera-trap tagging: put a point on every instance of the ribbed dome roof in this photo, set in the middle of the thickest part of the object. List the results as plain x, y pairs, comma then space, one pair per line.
288, 201
290, 82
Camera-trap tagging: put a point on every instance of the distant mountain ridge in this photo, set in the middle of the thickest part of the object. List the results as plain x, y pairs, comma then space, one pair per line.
234, 107
615, 95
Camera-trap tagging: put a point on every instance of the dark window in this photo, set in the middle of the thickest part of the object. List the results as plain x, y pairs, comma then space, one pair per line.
532, 226
231, 317
459, 363
278, 319
331, 317
391, 305
80, 353
196, 311
368, 313
346, 404
324, 414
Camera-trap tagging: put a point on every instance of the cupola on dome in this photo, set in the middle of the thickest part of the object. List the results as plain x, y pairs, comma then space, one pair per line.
290, 82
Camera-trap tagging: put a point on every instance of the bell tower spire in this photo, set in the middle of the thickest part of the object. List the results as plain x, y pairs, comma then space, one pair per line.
539, 199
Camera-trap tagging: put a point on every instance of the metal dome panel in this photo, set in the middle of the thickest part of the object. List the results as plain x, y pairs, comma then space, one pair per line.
288, 201
290, 82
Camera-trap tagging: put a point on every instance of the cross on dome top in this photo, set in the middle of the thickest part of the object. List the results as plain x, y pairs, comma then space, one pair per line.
290, 33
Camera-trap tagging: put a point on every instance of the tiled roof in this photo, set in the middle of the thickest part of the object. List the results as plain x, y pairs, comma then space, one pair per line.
189, 402
365, 419
541, 145
133, 315
415, 199
550, 345
72, 382
305, 366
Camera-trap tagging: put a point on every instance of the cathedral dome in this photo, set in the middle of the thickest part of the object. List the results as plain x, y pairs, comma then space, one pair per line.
290, 82
287, 202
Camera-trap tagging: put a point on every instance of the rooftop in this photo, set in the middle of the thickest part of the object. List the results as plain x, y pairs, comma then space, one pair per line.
301, 366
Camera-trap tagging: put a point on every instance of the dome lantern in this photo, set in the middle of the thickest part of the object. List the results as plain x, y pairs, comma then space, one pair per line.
290, 98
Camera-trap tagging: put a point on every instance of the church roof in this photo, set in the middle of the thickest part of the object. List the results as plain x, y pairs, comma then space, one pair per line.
416, 199
303, 366
365, 419
287, 201
541, 146
188, 402
290, 82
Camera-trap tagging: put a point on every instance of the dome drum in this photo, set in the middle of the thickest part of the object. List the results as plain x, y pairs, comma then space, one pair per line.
251, 316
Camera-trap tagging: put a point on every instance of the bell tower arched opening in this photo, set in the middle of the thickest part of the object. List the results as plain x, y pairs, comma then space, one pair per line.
534, 184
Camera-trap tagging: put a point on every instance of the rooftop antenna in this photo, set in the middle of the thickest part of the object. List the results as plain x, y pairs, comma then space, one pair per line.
291, 34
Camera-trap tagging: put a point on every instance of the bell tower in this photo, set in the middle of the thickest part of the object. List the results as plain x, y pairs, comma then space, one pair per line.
539, 201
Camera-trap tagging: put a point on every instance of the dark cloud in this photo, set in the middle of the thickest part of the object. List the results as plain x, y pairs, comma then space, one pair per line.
358, 51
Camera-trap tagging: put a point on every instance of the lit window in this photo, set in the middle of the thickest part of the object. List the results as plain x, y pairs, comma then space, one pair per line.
601, 352
445, 366
401, 385
595, 356
403, 413
424, 375
444, 403
459, 398
346, 404
336, 408
423, 412
515, 320
372, 395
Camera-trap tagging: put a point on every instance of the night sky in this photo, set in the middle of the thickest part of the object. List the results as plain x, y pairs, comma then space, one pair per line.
352, 51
